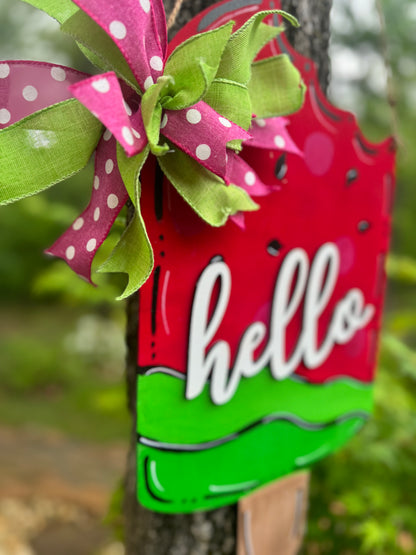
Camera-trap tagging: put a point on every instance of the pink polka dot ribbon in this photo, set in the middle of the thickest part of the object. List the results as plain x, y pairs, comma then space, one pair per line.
27, 87
78, 245
199, 131
138, 29
272, 134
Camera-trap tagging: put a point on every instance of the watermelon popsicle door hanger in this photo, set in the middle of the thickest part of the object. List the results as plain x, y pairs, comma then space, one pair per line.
258, 341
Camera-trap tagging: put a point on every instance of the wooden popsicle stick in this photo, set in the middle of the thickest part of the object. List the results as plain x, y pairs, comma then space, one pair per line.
272, 520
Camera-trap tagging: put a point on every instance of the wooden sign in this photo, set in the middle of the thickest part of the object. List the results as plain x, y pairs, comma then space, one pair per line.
257, 345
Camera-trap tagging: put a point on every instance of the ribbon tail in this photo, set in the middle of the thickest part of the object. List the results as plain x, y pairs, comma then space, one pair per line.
79, 244
28, 87
133, 255
239, 220
240, 173
271, 134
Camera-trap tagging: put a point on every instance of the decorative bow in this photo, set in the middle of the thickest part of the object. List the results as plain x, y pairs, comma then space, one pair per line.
192, 110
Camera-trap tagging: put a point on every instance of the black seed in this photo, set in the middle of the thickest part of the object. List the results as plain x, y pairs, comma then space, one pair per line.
363, 226
352, 175
162, 254
281, 167
274, 247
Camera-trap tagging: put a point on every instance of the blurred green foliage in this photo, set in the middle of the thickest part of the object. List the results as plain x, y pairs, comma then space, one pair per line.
59, 365
363, 499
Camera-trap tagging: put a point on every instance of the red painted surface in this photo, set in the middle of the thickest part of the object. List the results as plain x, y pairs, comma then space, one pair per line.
341, 191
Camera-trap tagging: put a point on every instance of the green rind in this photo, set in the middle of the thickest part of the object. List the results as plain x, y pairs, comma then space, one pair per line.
165, 415
182, 482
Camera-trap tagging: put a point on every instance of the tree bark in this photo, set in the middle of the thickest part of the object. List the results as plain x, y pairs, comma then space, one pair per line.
213, 532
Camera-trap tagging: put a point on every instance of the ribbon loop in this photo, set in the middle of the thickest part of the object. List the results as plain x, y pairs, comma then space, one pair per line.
203, 134
200, 100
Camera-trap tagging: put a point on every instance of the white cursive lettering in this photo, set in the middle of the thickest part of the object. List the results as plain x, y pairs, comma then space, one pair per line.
297, 281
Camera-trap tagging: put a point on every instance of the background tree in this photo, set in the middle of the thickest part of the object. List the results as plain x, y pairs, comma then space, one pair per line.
362, 498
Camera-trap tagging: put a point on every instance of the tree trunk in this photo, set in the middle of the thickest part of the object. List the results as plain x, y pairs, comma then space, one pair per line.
213, 532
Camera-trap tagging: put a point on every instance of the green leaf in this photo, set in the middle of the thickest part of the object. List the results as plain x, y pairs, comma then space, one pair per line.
206, 193
45, 148
100, 49
193, 65
61, 10
276, 87
246, 43
133, 254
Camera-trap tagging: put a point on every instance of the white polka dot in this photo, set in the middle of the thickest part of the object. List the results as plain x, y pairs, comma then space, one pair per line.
164, 121
78, 224
127, 136
92, 243
250, 178
30, 93
107, 135
260, 122
156, 63
96, 182
225, 122
127, 108
4, 71
58, 73
101, 85
193, 116
96, 214
70, 253
5, 116
112, 201
136, 133
109, 166
118, 30
145, 4
148, 83
279, 141
203, 152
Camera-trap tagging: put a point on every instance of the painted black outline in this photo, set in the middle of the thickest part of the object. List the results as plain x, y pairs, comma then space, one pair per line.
291, 419
364, 146
147, 481
323, 107
218, 12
